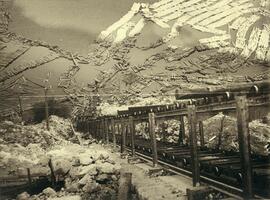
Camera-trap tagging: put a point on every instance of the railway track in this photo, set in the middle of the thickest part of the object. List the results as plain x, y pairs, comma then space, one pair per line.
217, 169
239, 174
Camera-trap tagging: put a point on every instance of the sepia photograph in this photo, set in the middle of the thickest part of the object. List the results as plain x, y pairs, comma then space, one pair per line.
134, 99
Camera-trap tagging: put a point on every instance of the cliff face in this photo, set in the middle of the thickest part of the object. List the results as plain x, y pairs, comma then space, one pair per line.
240, 26
186, 44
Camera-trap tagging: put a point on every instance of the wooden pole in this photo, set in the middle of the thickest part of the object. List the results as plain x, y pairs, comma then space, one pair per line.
193, 145
132, 132
124, 190
123, 136
91, 128
53, 178
21, 109
95, 129
244, 145
98, 129
102, 130
201, 133
153, 138
46, 110
164, 132
113, 133
29, 176
106, 127
181, 131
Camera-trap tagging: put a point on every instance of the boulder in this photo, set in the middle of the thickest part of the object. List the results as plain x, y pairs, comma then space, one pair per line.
85, 160
76, 162
74, 172
73, 187
108, 193
49, 192
68, 182
61, 166
92, 186
102, 178
90, 169
69, 197
107, 168
23, 196
85, 179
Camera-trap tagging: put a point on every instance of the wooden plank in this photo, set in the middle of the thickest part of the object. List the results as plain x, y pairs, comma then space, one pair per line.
132, 132
95, 128
103, 130
244, 145
123, 136
193, 145
106, 131
201, 133
98, 129
113, 133
181, 130
46, 110
29, 176
153, 138
88, 126
53, 177
164, 131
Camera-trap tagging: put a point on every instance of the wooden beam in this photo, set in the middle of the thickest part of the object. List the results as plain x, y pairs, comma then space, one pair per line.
244, 145
181, 130
106, 131
164, 131
21, 108
132, 132
193, 145
123, 136
94, 129
201, 131
46, 109
153, 138
103, 134
98, 129
88, 126
29, 176
113, 133
53, 178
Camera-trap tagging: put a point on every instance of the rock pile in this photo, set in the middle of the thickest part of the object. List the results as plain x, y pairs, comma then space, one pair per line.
167, 131
220, 132
23, 147
60, 130
88, 172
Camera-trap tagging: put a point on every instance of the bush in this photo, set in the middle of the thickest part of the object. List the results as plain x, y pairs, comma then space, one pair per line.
55, 108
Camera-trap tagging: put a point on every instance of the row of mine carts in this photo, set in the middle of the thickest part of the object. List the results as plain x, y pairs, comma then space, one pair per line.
219, 165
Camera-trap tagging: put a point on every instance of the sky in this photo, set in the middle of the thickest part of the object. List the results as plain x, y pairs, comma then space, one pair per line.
68, 23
